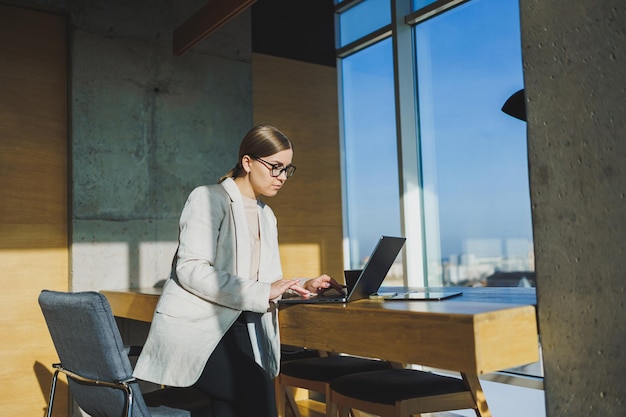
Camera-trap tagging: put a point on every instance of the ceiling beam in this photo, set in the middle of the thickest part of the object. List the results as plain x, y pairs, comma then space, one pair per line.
209, 18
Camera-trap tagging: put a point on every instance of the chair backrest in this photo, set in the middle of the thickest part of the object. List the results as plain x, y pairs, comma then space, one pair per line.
88, 343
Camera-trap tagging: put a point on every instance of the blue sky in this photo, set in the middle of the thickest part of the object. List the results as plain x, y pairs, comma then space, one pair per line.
474, 155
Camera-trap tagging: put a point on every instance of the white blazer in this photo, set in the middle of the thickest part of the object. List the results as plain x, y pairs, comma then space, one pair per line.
209, 288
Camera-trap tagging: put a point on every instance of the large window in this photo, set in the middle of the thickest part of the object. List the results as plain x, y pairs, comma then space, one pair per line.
471, 224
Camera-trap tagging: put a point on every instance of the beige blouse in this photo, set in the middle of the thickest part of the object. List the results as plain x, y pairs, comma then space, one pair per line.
252, 216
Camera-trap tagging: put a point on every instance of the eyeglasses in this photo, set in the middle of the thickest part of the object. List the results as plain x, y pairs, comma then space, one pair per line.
276, 169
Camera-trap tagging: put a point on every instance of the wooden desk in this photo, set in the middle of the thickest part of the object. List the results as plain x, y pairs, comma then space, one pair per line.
136, 304
459, 334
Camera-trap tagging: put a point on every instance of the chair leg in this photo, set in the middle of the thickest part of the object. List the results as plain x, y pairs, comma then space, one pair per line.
400, 410
355, 413
331, 408
53, 388
280, 399
291, 399
472, 382
284, 395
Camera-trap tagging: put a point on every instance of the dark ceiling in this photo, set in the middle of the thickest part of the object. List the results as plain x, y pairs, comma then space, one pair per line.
302, 30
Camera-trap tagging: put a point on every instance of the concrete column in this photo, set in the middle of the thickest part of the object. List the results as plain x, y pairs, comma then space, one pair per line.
147, 127
575, 77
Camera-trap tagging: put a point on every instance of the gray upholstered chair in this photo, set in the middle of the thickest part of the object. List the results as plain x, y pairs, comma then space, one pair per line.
96, 363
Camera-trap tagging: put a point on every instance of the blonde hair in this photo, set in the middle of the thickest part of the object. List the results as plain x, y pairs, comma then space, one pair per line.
260, 141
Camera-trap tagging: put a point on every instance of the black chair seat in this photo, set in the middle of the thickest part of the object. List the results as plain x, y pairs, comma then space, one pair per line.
329, 368
391, 385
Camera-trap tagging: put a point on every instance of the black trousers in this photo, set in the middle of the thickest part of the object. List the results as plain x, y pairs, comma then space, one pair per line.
237, 385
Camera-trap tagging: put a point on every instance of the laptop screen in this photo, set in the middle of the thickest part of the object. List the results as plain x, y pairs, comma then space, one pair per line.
377, 267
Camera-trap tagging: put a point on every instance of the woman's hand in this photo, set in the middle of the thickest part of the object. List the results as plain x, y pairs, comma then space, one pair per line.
320, 284
310, 287
279, 287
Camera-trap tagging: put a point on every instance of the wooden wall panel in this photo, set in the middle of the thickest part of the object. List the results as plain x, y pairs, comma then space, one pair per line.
300, 99
33, 201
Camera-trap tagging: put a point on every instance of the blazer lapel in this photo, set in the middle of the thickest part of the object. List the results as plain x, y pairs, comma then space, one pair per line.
265, 230
242, 240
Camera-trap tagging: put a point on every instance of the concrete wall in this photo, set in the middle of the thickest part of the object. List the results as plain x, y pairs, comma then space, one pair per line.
574, 66
147, 127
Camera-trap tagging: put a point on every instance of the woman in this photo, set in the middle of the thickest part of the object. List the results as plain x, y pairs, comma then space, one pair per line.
215, 325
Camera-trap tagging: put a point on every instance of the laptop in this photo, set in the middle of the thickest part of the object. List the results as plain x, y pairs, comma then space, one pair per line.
369, 279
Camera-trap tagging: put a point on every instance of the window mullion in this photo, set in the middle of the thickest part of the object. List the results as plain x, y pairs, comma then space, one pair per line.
408, 151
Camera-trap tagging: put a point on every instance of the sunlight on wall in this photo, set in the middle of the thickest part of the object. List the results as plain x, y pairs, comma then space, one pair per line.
100, 265
27, 351
155, 262
301, 260
116, 265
